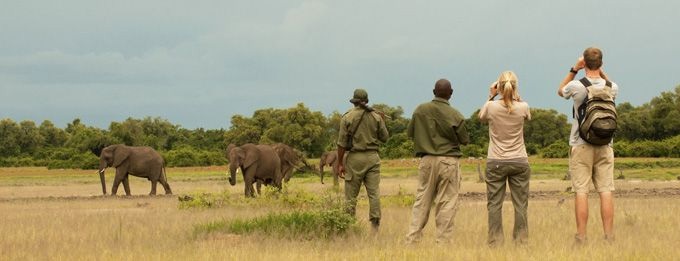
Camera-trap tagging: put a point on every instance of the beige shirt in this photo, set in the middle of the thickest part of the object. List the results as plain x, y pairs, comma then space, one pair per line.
506, 130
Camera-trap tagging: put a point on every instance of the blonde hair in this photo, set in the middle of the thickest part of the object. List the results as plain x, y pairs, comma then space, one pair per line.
507, 87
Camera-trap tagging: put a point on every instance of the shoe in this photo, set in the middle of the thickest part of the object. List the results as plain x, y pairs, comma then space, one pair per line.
609, 238
375, 226
579, 241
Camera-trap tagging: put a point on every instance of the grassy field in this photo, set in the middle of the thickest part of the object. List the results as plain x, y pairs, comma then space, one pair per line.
59, 214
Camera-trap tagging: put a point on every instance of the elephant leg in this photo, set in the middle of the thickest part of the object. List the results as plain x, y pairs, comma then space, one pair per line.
153, 187
336, 176
258, 185
120, 175
249, 191
166, 186
286, 175
126, 185
322, 177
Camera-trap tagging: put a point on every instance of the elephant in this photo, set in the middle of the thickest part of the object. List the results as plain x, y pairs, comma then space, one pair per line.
258, 163
144, 162
329, 158
290, 159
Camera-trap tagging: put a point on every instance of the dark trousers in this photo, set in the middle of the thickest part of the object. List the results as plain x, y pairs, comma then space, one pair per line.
517, 176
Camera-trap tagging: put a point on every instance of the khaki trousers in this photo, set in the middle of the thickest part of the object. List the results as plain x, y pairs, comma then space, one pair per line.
363, 168
517, 175
439, 183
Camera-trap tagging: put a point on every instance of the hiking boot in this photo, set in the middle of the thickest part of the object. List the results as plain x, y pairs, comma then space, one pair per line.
375, 225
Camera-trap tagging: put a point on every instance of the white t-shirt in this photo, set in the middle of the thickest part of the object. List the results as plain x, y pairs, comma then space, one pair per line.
575, 90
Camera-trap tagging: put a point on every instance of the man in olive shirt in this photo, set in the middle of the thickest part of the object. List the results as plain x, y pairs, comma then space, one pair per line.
437, 130
361, 132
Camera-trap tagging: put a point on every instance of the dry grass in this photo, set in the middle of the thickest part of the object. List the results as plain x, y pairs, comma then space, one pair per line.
63, 218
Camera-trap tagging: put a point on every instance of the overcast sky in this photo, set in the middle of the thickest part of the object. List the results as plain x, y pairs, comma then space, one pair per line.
197, 63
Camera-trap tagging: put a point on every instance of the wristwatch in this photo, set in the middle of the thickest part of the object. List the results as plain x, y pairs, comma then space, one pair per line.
571, 70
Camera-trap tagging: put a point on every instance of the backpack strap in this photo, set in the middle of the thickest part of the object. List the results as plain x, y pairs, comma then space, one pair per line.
585, 83
608, 83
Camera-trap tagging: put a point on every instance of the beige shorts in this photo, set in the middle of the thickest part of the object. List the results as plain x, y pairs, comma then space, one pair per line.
592, 163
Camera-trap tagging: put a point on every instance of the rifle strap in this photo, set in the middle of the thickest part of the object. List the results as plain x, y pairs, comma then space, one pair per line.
358, 123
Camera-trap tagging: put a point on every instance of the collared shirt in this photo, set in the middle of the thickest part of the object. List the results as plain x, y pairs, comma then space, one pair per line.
370, 133
437, 129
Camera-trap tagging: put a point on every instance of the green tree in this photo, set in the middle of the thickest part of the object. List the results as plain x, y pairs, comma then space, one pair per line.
9, 138
29, 138
54, 137
545, 128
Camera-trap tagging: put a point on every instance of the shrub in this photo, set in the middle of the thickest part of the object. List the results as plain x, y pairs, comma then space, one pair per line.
188, 156
321, 222
559, 149
473, 150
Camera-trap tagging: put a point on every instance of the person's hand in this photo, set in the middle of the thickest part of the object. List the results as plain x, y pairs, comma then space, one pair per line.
341, 171
493, 90
580, 63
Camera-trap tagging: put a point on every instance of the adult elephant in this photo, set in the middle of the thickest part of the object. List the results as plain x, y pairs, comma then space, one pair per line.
258, 163
329, 158
142, 162
290, 159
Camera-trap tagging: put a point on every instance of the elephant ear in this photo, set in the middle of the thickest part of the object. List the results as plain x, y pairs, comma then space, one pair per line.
120, 154
286, 154
252, 155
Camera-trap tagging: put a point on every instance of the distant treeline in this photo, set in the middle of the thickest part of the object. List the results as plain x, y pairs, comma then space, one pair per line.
650, 130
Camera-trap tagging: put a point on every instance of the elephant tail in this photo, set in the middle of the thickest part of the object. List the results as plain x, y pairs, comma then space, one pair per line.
163, 174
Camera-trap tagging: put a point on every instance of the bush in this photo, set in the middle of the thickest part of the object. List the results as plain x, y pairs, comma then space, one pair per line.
473, 150
188, 156
83, 160
324, 221
559, 149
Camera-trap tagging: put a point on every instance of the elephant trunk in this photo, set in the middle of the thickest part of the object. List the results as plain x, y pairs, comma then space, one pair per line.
101, 177
102, 168
232, 171
321, 170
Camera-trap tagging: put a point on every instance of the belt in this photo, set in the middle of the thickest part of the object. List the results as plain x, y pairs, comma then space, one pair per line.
363, 151
423, 154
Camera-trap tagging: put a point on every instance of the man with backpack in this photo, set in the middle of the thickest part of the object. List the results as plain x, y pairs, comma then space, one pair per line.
592, 155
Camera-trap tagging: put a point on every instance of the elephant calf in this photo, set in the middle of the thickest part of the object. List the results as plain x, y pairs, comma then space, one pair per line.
142, 162
258, 163
329, 158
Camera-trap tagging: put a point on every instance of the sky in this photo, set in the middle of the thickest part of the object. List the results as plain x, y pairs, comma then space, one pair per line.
198, 63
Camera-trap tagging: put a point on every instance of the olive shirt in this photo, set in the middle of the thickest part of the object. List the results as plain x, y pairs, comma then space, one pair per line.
437, 129
370, 133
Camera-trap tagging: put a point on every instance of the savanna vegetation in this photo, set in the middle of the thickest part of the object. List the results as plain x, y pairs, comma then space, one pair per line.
58, 214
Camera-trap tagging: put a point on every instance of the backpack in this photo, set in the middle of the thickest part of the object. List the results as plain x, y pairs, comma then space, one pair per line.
597, 114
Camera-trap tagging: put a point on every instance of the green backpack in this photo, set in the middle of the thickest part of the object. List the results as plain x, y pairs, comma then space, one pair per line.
597, 114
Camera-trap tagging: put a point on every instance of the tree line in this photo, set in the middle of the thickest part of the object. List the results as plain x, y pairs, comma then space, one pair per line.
649, 130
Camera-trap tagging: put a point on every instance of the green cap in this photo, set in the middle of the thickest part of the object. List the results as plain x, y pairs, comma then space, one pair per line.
359, 95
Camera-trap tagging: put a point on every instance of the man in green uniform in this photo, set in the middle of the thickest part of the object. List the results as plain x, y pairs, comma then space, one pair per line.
437, 130
361, 131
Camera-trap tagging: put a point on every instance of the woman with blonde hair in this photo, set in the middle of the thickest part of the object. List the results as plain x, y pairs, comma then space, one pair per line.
507, 159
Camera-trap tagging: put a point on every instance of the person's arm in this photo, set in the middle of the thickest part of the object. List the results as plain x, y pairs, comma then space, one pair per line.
341, 161
342, 141
571, 75
461, 133
483, 112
